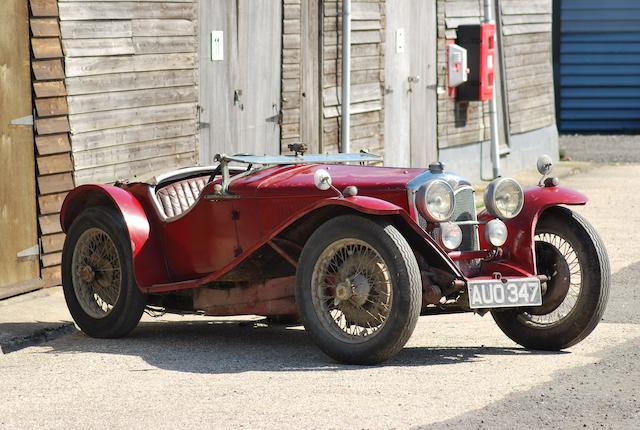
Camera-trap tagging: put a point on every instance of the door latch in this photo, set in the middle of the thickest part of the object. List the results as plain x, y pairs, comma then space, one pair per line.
236, 99
277, 118
201, 124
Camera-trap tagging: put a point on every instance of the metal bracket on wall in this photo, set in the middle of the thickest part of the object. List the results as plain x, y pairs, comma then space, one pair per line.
25, 120
29, 253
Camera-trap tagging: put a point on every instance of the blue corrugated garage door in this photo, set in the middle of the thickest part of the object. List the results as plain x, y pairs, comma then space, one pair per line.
599, 65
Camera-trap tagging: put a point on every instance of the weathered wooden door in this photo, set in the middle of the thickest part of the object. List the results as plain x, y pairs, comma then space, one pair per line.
410, 83
18, 228
240, 51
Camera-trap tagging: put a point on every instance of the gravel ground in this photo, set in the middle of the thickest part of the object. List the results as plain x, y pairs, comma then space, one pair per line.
457, 371
602, 148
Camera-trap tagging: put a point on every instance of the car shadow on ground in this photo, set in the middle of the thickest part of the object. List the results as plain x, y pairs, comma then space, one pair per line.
232, 347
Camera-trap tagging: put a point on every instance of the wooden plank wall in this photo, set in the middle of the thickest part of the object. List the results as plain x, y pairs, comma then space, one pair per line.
526, 33
527, 37
131, 86
54, 165
367, 77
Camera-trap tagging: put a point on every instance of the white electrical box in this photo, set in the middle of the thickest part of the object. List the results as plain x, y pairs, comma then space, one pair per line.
400, 41
457, 65
217, 46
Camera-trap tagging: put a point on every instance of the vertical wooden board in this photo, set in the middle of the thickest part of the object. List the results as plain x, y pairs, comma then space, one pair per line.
422, 37
218, 80
397, 113
18, 225
310, 76
259, 36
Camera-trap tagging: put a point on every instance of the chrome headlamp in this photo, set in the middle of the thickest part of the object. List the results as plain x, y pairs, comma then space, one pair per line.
435, 200
504, 198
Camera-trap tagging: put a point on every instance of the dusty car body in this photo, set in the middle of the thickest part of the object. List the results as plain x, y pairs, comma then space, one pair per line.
357, 251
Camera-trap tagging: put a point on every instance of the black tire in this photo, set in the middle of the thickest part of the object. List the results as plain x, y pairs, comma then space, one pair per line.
125, 313
404, 284
591, 299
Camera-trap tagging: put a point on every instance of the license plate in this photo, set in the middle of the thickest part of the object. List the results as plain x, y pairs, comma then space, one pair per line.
499, 294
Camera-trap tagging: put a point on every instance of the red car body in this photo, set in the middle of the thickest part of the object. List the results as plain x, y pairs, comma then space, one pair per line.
216, 235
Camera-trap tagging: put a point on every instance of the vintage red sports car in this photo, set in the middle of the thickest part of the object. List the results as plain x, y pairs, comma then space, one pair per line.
357, 252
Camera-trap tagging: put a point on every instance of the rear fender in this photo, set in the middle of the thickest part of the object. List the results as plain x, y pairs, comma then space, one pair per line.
148, 266
520, 243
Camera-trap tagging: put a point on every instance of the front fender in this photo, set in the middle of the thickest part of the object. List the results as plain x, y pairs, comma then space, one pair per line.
419, 240
144, 251
520, 244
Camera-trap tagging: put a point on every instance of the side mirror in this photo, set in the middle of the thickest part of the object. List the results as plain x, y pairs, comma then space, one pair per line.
545, 165
322, 179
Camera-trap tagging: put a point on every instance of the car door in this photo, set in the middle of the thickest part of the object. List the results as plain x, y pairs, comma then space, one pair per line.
240, 52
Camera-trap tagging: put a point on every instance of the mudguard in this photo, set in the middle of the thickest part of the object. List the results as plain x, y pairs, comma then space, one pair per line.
361, 204
520, 243
420, 240
143, 249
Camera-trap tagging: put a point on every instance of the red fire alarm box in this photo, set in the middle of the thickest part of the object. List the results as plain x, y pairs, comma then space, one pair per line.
479, 41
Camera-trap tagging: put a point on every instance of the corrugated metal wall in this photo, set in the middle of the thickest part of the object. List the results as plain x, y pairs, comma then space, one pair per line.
598, 65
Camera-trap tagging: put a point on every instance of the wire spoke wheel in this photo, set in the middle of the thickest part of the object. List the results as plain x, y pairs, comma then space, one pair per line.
97, 273
571, 254
575, 268
351, 290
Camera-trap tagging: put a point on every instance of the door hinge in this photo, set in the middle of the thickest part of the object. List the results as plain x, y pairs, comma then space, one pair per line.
29, 253
25, 120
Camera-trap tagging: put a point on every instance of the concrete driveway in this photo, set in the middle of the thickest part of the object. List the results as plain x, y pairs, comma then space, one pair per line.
456, 371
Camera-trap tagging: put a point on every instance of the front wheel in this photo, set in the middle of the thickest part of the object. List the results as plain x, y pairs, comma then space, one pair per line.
358, 289
572, 255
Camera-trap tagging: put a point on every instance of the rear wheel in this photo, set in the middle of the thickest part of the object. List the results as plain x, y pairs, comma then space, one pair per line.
572, 255
97, 276
358, 289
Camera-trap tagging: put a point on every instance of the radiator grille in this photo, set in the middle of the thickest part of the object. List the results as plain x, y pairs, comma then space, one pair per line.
465, 210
